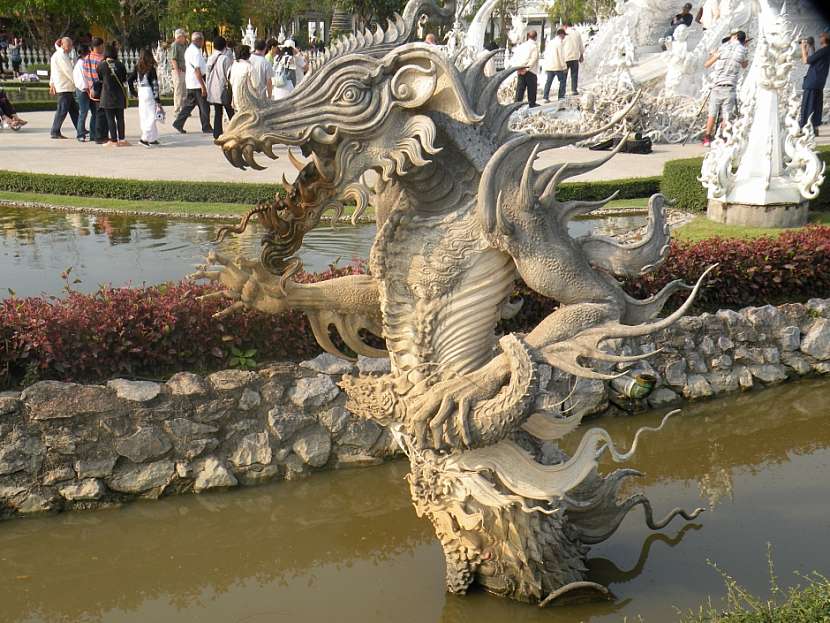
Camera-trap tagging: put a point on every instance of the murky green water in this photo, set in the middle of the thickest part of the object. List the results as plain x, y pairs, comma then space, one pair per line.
346, 546
36, 246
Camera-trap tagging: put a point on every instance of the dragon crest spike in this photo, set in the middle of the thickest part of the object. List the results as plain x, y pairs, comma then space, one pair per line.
526, 185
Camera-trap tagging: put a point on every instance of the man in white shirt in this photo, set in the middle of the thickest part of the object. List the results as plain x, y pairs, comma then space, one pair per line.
554, 65
526, 58
572, 52
62, 84
261, 70
728, 60
194, 80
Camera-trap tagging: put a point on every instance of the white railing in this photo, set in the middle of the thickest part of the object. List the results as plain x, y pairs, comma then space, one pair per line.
40, 56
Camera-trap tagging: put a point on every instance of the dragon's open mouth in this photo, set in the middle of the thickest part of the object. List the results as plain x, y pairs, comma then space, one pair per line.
317, 189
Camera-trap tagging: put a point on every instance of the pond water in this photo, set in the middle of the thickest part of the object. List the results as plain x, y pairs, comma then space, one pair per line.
36, 246
346, 546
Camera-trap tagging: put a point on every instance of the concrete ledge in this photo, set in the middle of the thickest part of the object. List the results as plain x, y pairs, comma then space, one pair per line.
774, 215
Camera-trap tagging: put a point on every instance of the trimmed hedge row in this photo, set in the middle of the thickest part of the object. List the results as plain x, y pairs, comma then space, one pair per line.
155, 190
680, 182
247, 193
155, 331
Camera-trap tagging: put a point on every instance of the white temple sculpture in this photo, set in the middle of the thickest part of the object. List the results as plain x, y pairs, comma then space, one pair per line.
163, 69
762, 169
461, 212
249, 35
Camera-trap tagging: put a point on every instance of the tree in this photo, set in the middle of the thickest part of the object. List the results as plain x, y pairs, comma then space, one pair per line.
123, 17
269, 15
46, 20
207, 16
576, 11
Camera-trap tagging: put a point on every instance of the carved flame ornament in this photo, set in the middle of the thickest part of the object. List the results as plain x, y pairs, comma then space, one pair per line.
461, 212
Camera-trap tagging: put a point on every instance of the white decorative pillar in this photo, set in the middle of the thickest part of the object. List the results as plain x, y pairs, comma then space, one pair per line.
762, 169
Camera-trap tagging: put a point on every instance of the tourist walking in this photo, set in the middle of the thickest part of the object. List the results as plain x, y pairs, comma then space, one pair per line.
97, 116
728, 60
81, 94
195, 74
526, 58
273, 50
15, 55
112, 76
554, 65
144, 83
218, 87
300, 65
573, 51
177, 63
62, 84
240, 73
261, 71
283, 85
812, 99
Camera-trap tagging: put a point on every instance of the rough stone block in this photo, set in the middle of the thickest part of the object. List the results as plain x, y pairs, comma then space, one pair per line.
769, 373
9, 403
95, 468
707, 346
229, 380
135, 391
373, 365
662, 397
697, 387
821, 367
141, 478
258, 474
328, 364
725, 343
295, 469
334, 419
348, 460
273, 390
816, 342
285, 424
723, 362
789, 338
37, 503
89, 489
211, 474
771, 355
9, 492
250, 399
52, 399
313, 446
819, 307
762, 318
675, 374
797, 362
145, 444
252, 449
695, 363
59, 474
187, 384
359, 433
723, 381
313, 392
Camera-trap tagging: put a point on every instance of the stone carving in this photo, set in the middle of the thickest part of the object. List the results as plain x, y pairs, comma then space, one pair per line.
461, 213
762, 168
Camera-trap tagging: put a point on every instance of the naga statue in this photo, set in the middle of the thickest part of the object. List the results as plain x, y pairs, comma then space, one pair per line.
462, 212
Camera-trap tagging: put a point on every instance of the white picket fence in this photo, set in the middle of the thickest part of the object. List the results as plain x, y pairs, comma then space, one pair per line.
40, 56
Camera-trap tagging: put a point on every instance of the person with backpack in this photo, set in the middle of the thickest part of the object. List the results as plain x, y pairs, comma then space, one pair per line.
144, 84
218, 88
112, 77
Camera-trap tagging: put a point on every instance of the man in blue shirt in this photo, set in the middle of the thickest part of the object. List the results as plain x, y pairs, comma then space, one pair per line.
812, 99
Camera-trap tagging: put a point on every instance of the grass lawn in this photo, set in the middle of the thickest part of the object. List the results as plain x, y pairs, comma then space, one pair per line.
701, 228
124, 205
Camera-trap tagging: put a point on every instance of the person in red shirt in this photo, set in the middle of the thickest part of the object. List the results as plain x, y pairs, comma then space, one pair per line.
97, 119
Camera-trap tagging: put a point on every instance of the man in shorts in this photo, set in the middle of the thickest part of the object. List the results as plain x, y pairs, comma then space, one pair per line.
728, 61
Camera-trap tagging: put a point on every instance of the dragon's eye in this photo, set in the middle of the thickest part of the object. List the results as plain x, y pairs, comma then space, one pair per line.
350, 92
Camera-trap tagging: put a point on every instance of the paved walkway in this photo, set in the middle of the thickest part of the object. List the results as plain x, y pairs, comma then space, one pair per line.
193, 156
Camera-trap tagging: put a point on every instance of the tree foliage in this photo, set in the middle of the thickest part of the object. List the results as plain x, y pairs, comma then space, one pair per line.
576, 11
207, 16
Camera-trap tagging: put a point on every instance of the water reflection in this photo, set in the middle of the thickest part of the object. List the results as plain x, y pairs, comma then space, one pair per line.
36, 246
347, 546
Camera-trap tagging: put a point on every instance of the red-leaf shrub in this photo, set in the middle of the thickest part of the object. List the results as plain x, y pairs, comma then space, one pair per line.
154, 331
141, 332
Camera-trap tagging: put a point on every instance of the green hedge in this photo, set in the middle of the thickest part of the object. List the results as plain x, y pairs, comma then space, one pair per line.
153, 190
680, 182
49, 105
630, 188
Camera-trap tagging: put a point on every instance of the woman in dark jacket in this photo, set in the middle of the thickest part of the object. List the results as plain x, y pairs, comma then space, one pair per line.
112, 76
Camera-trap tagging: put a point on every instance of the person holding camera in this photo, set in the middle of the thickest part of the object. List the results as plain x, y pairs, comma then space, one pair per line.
812, 99
728, 60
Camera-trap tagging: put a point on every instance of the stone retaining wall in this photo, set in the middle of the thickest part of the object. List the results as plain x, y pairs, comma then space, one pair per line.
67, 446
